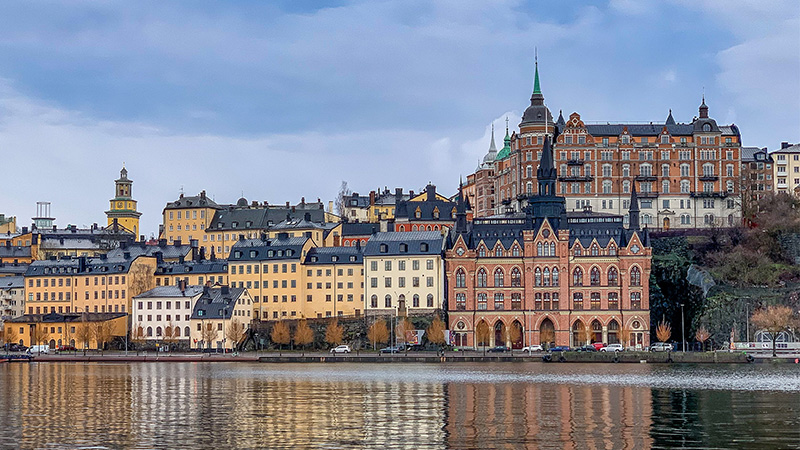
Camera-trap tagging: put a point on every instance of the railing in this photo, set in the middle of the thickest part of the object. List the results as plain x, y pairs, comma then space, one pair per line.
703, 194
647, 194
708, 178
575, 162
571, 178
645, 178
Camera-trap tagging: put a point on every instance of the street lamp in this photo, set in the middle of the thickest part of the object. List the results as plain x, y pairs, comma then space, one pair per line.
683, 330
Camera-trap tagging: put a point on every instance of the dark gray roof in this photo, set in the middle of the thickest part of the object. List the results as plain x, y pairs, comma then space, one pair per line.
72, 317
407, 210
13, 268
12, 282
267, 249
334, 255
80, 265
749, 154
359, 228
196, 201
264, 217
405, 243
171, 291
216, 303
140, 249
15, 252
356, 201
654, 129
193, 267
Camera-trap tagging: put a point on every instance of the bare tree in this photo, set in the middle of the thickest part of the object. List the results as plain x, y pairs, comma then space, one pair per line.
208, 333
334, 333
585, 334
625, 335
280, 335
138, 337
171, 334
378, 333
41, 334
774, 320
10, 334
344, 191
702, 335
235, 332
402, 330
101, 332
546, 336
303, 335
513, 333
482, 334
140, 279
663, 332
84, 333
436, 332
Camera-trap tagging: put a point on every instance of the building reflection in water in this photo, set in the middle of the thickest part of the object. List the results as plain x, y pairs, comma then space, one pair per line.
542, 416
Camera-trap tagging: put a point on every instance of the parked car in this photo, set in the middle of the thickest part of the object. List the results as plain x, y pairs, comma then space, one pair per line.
533, 348
17, 348
661, 347
66, 348
390, 349
559, 348
586, 348
598, 345
613, 348
45, 349
499, 349
341, 349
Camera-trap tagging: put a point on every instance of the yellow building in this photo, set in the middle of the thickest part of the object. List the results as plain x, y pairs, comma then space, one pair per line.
187, 218
271, 270
404, 272
196, 273
123, 206
787, 168
8, 225
333, 278
97, 285
213, 314
77, 330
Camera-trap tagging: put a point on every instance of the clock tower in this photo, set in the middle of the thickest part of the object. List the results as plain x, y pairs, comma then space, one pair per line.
123, 206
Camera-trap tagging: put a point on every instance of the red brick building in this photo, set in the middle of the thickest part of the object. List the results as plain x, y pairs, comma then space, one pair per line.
548, 273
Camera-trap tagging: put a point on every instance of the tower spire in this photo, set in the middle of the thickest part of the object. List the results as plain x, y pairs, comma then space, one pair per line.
536, 88
492, 146
633, 211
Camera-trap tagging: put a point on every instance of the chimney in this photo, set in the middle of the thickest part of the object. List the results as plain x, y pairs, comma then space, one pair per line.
371, 198
307, 217
203, 194
182, 285
126, 255
181, 259
141, 238
8, 244
431, 191
159, 258
358, 244
785, 145
411, 194
303, 201
206, 289
263, 236
178, 242
330, 206
24, 230
225, 290
336, 242
202, 255
34, 239
241, 237
162, 242
283, 235
193, 243
287, 204
254, 203
81, 264
56, 228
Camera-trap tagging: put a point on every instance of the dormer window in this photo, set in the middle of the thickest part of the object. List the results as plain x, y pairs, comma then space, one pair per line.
423, 247
237, 254
417, 213
313, 259
334, 258
352, 258
253, 253
626, 139
436, 213
280, 253
384, 248
403, 248
234, 224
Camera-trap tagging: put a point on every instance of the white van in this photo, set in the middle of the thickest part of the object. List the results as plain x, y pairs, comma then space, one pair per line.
37, 349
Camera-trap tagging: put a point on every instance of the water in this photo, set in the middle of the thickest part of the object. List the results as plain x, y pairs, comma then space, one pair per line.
415, 406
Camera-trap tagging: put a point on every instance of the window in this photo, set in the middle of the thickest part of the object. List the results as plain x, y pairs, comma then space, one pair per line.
482, 277
636, 276
577, 301
498, 277
373, 301
499, 303
461, 302
537, 277
613, 300
685, 186
594, 300
636, 300
482, 301
594, 276
613, 276
461, 278
387, 301
387, 282
387, 265
516, 277
577, 277
555, 276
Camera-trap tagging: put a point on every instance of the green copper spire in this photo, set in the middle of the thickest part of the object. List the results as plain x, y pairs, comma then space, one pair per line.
536, 88
505, 152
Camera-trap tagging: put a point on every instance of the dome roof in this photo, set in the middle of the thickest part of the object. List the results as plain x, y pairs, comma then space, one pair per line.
537, 112
241, 202
491, 155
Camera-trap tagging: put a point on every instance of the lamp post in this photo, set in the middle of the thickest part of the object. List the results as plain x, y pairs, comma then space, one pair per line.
683, 330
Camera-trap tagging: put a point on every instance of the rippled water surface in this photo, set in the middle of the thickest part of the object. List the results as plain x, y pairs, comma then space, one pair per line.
414, 406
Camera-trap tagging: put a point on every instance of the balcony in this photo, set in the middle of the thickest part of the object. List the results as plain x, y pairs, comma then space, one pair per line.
645, 178
574, 162
702, 194
575, 178
708, 178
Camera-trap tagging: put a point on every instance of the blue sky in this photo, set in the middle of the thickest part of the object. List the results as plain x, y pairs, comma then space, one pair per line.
279, 100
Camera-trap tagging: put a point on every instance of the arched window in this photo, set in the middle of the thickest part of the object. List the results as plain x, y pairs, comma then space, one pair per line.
595, 250
186, 331
482, 252
158, 331
516, 277
482, 277
636, 276
415, 300
594, 276
537, 277
577, 277
387, 302
515, 251
555, 276
612, 276
577, 250
539, 249
498, 252
546, 277
430, 300
373, 301
552, 249
461, 278
498, 277
612, 250
149, 331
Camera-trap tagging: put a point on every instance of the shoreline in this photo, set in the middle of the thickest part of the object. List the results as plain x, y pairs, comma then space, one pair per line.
430, 358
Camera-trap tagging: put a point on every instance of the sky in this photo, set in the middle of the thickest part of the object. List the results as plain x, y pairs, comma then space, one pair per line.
286, 99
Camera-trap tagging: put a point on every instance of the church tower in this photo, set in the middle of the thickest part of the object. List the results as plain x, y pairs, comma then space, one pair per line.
123, 206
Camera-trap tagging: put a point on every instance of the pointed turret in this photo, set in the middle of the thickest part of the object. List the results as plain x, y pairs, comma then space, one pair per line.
670, 119
704, 109
491, 155
561, 123
633, 211
505, 152
492, 147
536, 88
537, 113
546, 173
461, 209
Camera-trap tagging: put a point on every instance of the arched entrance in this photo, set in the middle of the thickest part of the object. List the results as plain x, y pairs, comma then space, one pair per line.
499, 333
613, 332
597, 331
547, 333
515, 335
482, 333
52, 344
578, 332
666, 223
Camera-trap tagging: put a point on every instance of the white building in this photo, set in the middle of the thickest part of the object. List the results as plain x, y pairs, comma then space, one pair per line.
164, 313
